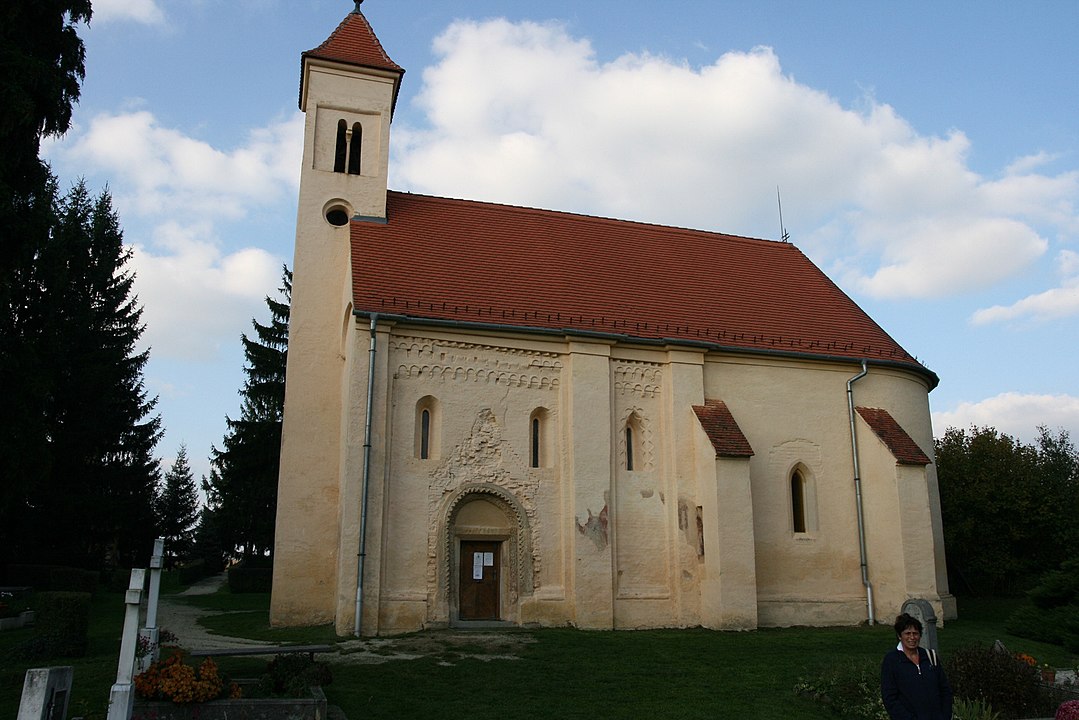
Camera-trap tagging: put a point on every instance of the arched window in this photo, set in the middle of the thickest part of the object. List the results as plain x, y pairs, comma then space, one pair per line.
354, 145
428, 422
425, 434
629, 447
535, 443
341, 151
539, 447
798, 501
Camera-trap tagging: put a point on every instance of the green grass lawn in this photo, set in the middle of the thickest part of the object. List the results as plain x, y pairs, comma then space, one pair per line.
562, 673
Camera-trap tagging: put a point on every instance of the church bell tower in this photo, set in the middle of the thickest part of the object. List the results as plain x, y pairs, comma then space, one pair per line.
348, 89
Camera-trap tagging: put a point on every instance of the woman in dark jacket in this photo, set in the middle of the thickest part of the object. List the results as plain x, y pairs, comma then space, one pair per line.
912, 685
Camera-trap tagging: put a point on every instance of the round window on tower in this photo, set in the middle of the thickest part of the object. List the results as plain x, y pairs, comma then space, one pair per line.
337, 213
337, 216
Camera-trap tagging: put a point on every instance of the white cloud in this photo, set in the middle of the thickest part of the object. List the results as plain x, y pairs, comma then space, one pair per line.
893, 213
147, 12
175, 193
1015, 414
1059, 302
155, 169
196, 297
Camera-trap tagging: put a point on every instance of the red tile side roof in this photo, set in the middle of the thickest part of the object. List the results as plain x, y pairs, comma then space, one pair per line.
464, 261
354, 43
894, 437
722, 429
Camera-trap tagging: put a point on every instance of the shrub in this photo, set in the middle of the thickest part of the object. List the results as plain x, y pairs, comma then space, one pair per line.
60, 627
291, 675
849, 691
1052, 615
973, 710
74, 579
193, 571
244, 579
1008, 684
53, 577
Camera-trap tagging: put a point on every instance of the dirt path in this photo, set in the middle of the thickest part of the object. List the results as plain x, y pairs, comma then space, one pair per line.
182, 620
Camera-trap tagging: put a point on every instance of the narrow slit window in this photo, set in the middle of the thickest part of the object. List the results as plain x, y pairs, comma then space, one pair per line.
535, 442
341, 150
354, 146
629, 448
798, 504
425, 434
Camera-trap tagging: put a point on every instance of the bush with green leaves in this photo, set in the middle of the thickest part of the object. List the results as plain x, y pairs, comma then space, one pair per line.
1052, 615
61, 626
849, 691
973, 710
997, 678
292, 674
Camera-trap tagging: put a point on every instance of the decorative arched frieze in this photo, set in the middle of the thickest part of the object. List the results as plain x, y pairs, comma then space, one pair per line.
638, 378
472, 363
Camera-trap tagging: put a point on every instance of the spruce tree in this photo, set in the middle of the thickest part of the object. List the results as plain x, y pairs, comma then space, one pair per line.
243, 474
96, 504
42, 63
178, 510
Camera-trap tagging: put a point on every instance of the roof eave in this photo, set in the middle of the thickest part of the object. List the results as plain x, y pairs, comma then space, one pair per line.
930, 377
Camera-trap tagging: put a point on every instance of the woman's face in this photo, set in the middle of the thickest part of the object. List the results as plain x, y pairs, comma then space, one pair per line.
910, 637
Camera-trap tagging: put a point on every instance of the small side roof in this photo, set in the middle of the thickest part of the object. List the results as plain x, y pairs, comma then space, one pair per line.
722, 429
894, 437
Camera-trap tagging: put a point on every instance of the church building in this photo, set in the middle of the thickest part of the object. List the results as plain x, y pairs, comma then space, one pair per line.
507, 416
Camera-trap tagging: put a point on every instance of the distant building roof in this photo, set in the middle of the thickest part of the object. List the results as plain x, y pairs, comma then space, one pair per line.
898, 442
353, 43
462, 261
722, 429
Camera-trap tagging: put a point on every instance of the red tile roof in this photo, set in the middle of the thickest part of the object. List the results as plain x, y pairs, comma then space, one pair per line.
722, 429
353, 43
439, 259
895, 438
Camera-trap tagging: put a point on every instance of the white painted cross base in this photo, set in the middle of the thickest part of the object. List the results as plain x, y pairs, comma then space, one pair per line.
122, 697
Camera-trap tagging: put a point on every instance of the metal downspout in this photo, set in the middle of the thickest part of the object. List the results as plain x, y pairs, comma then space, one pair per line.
362, 554
858, 492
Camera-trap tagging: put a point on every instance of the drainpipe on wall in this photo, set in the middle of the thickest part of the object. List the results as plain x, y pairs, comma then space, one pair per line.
858, 492
362, 554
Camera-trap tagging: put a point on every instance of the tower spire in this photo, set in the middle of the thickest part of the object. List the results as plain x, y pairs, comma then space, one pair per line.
358, 3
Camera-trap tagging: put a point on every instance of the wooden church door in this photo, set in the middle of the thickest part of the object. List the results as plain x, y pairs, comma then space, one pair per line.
479, 580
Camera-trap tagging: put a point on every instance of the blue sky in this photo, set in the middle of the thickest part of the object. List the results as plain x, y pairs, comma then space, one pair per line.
928, 155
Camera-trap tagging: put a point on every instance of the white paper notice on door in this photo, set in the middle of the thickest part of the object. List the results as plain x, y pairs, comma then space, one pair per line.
477, 566
489, 559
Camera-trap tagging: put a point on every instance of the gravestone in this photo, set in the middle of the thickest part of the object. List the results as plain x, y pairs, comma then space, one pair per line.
923, 611
45, 693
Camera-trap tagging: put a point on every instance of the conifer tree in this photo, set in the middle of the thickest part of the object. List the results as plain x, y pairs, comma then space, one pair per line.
243, 472
42, 63
178, 510
97, 500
